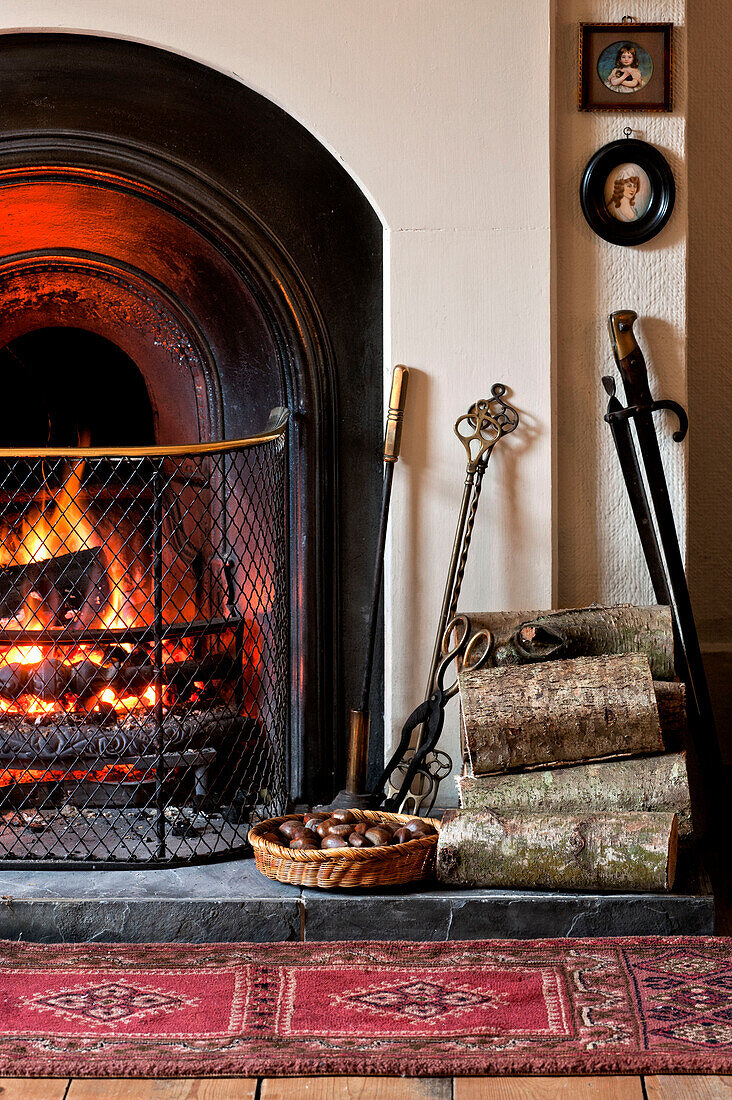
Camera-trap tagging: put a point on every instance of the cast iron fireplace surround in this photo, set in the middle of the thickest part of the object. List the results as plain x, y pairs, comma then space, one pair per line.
163, 220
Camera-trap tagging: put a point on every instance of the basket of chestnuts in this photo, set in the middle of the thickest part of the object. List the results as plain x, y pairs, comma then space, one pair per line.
345, 848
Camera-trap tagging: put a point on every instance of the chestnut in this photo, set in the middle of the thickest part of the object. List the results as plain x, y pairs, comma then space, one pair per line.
418, 825
332, 841
324, 827
272, 837
362, 827
358, 840
343, 817
287, 828
340, 830
315, 818
401, 836
303, 843
378, 836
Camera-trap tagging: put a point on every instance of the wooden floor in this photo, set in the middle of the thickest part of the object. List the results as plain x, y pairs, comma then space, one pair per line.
376, 1088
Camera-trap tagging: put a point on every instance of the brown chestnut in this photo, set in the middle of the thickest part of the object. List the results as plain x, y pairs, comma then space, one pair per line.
401, 836
417, 825
378, 836
362, 827
304, 844
287, 828
272, 837
315, 818
332, 841
358, 840
343, 816
340, 830
324, 827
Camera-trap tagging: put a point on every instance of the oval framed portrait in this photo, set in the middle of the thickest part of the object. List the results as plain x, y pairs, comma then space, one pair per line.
627, 192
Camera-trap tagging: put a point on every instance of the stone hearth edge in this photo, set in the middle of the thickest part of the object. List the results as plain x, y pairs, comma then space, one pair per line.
232, 902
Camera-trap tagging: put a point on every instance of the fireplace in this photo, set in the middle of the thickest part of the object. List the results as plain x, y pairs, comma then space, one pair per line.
190, 362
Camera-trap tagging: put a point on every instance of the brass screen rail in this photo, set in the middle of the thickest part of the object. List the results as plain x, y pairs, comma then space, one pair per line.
275, 428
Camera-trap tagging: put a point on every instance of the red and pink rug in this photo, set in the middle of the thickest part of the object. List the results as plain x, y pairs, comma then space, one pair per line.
653, 1005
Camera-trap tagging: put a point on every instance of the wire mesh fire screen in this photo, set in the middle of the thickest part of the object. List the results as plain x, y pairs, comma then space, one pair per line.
144, 689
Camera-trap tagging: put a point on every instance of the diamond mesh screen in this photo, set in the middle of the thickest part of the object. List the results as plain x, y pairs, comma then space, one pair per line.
144, 625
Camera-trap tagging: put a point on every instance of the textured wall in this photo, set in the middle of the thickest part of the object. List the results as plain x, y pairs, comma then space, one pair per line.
599, 556
710, 345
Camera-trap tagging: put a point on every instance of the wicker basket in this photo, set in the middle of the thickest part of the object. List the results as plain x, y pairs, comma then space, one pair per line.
387, 865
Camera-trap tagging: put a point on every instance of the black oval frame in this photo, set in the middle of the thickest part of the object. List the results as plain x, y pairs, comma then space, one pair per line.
592, 192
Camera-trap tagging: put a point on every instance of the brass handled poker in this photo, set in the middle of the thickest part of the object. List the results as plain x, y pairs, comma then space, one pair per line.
354, 795
478, 430
654, 518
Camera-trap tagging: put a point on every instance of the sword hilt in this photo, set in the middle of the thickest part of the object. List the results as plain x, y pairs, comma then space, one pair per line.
629, 357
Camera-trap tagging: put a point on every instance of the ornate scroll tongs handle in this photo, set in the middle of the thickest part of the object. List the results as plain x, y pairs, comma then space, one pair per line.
634, 373
483, 425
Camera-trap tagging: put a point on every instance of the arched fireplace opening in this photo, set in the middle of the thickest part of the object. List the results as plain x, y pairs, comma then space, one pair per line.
64, 385
221, 263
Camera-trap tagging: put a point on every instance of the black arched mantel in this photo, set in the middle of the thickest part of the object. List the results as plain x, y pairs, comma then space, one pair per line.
279, 288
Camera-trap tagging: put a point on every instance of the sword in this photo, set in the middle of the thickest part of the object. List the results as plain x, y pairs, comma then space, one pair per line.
656, 525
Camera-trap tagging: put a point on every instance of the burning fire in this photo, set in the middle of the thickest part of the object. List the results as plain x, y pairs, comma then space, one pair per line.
59, 524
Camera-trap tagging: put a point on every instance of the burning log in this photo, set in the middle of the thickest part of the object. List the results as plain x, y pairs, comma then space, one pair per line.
69, 586
53, 679
588, 851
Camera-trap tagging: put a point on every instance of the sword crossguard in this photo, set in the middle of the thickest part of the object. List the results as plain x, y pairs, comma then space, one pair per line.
651, 407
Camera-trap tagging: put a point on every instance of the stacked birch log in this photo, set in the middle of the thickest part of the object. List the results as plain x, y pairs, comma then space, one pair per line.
572, 774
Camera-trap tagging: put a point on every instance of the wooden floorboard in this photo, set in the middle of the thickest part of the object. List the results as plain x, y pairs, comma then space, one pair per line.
356, 1088
218, 1088
548, 1088
707, 1087
40, 1088
677, 1087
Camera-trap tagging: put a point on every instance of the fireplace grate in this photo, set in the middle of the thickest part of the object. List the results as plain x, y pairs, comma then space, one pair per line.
144, 631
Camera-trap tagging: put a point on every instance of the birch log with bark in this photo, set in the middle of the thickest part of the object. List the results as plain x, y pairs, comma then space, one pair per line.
558, 712
523, 637
620, 852
647, 783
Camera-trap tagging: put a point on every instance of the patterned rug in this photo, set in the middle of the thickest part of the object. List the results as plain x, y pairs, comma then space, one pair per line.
651, 1005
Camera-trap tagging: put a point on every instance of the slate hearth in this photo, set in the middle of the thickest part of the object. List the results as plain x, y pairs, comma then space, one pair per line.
232, 902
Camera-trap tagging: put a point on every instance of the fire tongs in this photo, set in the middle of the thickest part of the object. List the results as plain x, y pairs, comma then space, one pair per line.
657, 530
415, 779
466, 652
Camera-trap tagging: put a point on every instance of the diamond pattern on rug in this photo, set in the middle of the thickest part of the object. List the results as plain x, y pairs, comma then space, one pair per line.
421, 1000
687, 996
108, 1002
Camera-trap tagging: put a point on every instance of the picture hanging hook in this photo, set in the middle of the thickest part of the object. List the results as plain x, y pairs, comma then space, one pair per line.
627, 131
627, 19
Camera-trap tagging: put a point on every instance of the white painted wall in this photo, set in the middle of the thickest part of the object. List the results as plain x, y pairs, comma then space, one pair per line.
441, 110
598, 551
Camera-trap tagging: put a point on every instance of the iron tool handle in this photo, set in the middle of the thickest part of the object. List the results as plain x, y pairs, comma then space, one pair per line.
395, 416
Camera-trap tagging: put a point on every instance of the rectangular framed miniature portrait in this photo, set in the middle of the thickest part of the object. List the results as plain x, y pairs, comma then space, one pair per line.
625, 66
